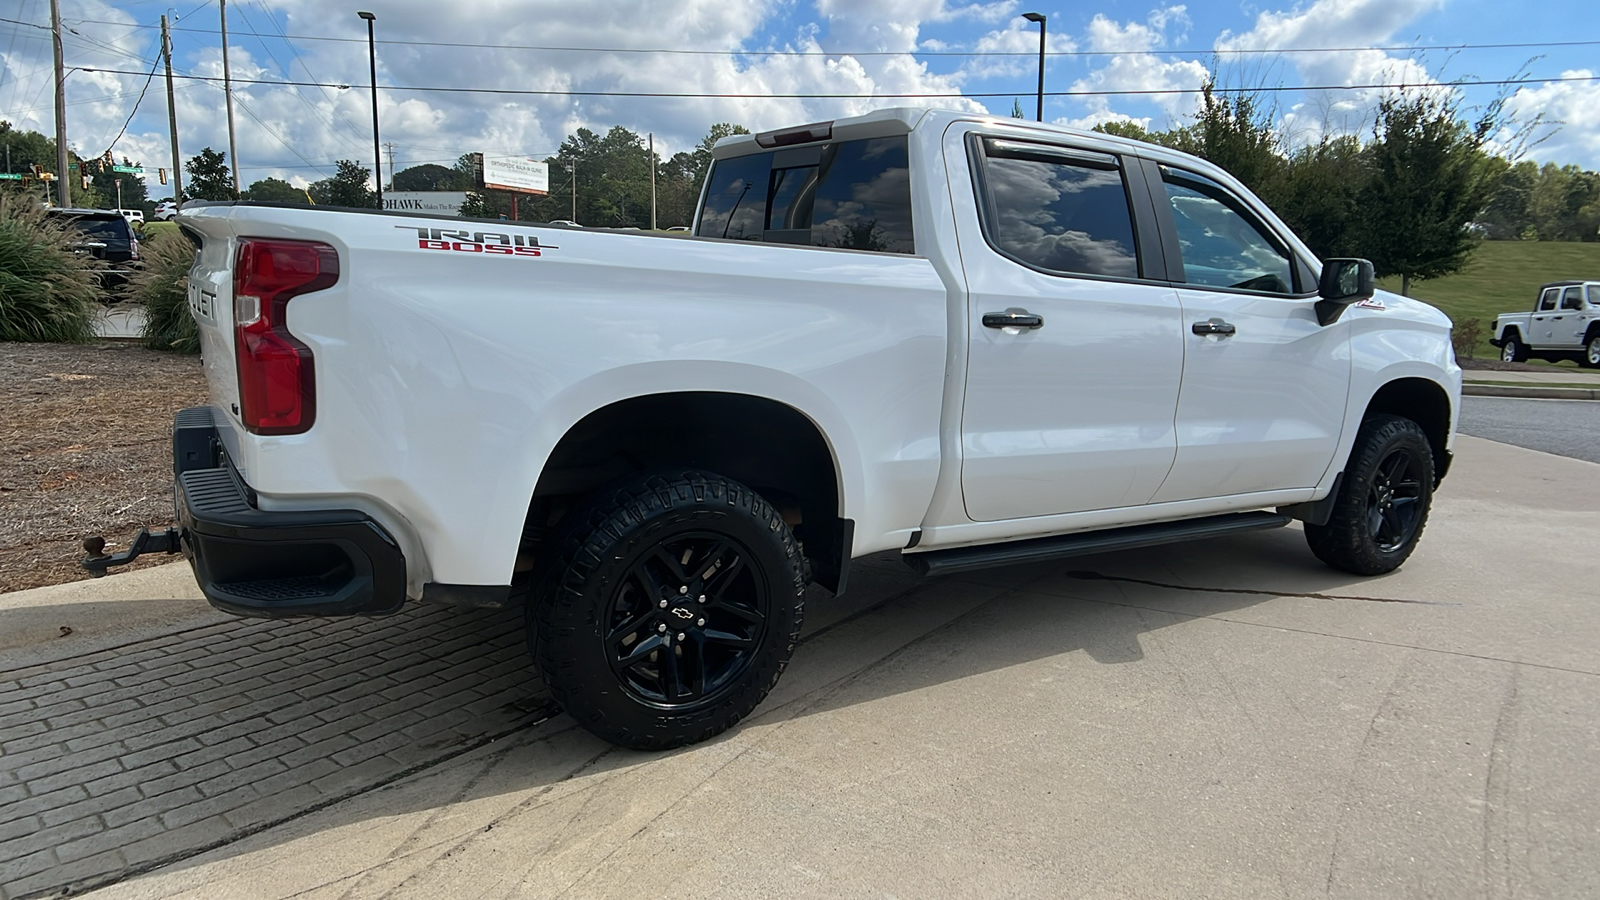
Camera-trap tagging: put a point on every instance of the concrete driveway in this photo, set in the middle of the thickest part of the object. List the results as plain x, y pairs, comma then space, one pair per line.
1219, 719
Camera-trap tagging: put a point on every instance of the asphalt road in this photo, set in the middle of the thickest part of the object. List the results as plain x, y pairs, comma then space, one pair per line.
1220, 719
1563, 427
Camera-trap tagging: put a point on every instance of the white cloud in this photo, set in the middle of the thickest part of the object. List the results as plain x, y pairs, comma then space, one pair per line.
1020, 37
1573, 104
1135, 65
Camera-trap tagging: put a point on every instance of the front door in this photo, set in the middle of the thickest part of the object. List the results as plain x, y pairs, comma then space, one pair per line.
1264, 385
1075, 358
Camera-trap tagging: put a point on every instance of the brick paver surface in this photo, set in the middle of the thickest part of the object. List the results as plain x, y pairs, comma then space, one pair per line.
121, 760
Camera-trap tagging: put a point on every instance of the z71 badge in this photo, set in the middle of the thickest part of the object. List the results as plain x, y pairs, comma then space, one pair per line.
492, 243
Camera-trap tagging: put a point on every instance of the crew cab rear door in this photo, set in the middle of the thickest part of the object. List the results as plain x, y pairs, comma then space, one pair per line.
1075, 339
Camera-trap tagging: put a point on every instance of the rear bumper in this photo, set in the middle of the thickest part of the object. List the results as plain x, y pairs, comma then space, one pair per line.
268, 563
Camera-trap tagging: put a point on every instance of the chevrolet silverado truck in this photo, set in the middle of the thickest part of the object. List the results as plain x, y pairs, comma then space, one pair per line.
1564, 324
974, 341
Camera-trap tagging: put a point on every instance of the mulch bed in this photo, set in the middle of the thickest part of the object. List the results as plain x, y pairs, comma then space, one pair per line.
85, 448
1495, 365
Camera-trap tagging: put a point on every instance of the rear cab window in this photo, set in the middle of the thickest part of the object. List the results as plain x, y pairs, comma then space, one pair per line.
852, 195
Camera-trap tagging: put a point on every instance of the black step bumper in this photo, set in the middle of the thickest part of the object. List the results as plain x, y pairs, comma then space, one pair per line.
268, 563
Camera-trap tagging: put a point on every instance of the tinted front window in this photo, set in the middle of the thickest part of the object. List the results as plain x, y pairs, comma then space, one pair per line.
1061, 214
1548, 300
1221, 245
856, 196
737, 202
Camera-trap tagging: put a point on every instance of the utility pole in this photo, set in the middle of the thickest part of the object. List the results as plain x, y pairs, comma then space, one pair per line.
652, 181
119, 192
63, 187
390, 147
172, 117
574, 189
227, 91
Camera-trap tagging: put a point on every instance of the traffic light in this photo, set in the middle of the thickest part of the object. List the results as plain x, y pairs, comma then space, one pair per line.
85, 182
163, 175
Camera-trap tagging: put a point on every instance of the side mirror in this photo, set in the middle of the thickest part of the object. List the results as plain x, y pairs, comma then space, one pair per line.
1343, 282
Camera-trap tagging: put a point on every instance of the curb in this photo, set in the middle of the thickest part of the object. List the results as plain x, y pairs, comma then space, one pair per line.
1533, 392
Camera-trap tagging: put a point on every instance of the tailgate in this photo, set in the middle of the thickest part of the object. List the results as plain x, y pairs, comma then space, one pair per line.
211, 302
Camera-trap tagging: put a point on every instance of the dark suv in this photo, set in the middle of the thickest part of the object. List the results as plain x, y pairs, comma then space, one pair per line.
108, 236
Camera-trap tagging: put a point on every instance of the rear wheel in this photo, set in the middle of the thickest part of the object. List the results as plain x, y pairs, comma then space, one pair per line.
1383, 500
1591, 352
1512, 349
670, 609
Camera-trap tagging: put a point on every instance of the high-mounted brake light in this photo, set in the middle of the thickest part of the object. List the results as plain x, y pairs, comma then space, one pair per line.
804, 134
277, 384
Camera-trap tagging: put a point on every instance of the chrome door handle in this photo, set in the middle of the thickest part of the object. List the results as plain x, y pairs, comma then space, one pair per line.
1014, 317
1213, 326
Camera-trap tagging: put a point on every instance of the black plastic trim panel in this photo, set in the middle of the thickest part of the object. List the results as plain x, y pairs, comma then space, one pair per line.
269, 563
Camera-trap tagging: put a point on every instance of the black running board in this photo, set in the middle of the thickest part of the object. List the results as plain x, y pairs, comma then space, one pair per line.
985, 556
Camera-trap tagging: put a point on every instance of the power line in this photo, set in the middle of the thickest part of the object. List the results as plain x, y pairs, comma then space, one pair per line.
914, 52
917, 96
147, 79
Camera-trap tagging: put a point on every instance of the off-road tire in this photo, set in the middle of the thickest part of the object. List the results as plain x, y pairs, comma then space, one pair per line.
1383, 500
1590, 358
595, 623
1512, 349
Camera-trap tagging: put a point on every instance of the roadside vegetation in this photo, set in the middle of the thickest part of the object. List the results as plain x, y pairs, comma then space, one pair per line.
160, 284
48, 293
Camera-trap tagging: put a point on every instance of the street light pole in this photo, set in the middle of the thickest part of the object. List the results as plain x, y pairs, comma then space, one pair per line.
227, 92
372, 58
1038, 116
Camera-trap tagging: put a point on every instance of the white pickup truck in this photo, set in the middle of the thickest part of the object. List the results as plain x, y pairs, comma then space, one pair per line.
976, 341
1564, 324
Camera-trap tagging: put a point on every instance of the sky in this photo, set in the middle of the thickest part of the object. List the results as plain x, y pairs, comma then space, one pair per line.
1319, 59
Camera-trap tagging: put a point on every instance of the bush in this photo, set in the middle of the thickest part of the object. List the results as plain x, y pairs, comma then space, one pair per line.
1465, 336
160, 283
47, 292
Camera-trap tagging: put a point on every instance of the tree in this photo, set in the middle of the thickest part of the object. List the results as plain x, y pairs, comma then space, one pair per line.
1319, 196
347, 187
103, 181
1016, 109
1430, 180
1129, 129
274, 190
1237, 134
430, 177
209, 177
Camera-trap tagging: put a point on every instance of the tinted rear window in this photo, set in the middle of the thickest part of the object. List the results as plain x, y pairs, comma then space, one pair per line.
107, 229
853, 195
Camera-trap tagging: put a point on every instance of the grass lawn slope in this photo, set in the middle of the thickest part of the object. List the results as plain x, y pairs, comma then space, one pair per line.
1504, 276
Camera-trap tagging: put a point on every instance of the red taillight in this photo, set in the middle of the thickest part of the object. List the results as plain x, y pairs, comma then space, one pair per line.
277, 387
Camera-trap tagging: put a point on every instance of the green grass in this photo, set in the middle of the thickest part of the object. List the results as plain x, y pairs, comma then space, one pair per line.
1504, 276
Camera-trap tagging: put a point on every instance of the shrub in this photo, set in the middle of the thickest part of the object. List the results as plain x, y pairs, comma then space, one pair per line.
160, 282
1465, 335
47, 292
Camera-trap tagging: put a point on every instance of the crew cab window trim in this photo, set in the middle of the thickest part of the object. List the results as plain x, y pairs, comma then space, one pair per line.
1304, 287
1152, 266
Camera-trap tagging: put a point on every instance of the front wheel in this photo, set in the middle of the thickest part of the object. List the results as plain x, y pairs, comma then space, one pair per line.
1513, 350
1383, 500
671, 607
1591, 352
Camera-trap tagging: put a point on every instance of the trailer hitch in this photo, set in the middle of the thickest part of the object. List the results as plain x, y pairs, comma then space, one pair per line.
169, 541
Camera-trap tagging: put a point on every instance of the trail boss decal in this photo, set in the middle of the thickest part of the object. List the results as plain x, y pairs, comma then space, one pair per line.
491, 243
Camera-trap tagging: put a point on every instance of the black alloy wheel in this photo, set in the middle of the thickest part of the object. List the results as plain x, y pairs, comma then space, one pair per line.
686, 619
668, 610
1394, 501
1383, 500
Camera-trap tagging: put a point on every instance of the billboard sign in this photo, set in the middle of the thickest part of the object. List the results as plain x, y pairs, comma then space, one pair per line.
444, 203
516, 173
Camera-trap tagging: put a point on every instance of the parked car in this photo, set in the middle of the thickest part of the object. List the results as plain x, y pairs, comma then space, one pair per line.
1564, 324
973, 340
107, 235
135, 217
165, 210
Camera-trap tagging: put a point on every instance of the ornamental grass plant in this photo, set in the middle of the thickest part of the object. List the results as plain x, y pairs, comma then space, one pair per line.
160, 283
48, 293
